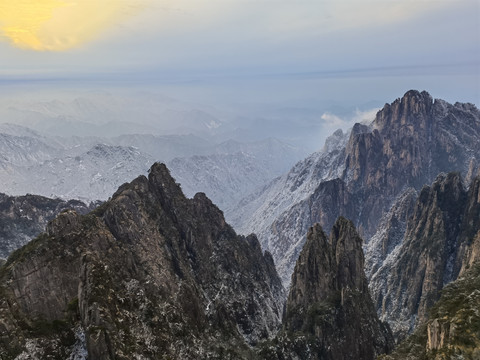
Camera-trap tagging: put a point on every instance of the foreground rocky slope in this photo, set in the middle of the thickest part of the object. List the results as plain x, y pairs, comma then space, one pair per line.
362, 174
435, 244
453, 328
329, 312
149, 274
24, 217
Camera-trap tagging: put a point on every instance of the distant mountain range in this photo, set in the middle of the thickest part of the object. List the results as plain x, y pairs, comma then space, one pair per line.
107, 115
91, 168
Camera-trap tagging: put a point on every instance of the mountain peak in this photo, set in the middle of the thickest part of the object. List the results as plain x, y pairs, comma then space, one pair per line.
162, 182
149, 272
418, 95
329, 299
159, 174
413, 109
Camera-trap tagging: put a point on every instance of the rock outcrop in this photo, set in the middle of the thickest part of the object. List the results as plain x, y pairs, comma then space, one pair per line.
439, 241
469, 250
329, 311
22, 218
149, 274
453, 328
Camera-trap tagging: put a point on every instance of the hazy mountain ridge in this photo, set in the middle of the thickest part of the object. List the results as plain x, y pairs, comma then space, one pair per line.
91, 168
90, 114
235, 169
88, 176
43, 140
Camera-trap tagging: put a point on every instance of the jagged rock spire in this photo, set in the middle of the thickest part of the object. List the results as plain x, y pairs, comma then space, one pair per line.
329, 298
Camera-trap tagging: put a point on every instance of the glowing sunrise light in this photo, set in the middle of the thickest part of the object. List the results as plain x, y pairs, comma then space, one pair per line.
58, 25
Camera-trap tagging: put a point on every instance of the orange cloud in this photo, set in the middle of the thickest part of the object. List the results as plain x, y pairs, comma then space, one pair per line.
58, 25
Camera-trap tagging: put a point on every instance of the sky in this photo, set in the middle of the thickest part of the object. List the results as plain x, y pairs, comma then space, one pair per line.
247, 54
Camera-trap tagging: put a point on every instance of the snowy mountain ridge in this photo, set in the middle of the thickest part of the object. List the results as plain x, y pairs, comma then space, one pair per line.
267, 203
362, 173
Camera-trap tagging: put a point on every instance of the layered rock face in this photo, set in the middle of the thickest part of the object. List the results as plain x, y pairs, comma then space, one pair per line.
329, 312
149, 274
440, 240
24, 217
408, 144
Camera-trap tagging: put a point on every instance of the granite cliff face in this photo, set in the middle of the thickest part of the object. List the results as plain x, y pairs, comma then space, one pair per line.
24, 217
406, 146
452, 330
329, 312
149, 274
437, 243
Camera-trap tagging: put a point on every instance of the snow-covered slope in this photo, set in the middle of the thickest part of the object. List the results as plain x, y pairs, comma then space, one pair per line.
94, 174
24, 150
256, 212
234, 170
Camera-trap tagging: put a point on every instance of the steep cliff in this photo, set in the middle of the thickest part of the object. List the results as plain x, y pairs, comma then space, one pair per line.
439, 241
329, 311
24, 217
453, 328
149, 274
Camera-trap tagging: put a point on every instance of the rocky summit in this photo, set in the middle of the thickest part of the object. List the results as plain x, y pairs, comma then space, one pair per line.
148, 275
329, 311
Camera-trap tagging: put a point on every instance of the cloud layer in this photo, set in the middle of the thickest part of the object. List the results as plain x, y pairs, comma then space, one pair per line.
352, 50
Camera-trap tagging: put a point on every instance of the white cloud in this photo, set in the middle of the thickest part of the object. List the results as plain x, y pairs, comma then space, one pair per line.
333, 121
366, 116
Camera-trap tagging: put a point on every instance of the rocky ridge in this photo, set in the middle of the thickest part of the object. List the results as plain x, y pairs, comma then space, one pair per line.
432, 247
22, 218
148, 274
408, 143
